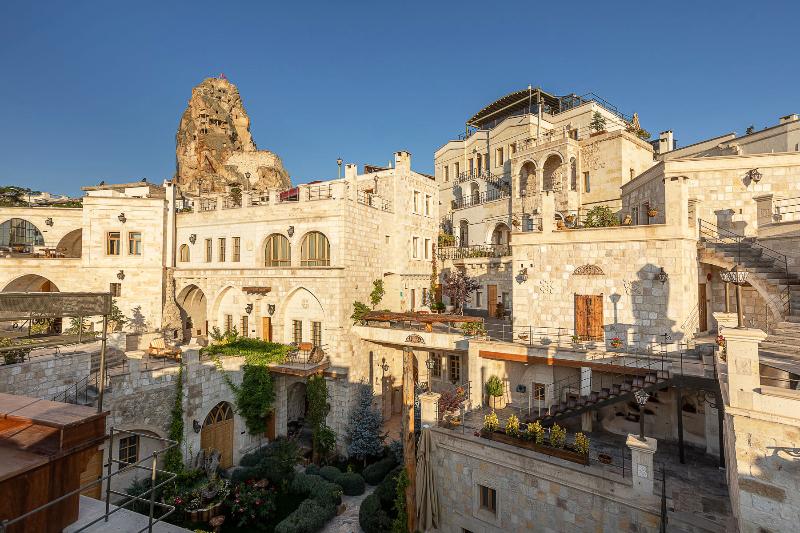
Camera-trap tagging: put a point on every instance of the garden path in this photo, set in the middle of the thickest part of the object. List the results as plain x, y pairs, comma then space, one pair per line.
347, 522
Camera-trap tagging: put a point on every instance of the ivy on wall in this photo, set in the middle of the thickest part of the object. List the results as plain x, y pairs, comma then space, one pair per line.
173, 458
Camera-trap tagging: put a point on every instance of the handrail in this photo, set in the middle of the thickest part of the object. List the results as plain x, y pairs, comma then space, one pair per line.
474, 250
480, 198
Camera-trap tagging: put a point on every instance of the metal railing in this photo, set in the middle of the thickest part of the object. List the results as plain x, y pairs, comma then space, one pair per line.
307, 356
207, 204
230, 202
480, 198
260, 199
148, 497
744, 247
373, 200
475, 250
319, 192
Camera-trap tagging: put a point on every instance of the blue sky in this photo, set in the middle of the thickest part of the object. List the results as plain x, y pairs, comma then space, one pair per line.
93, 91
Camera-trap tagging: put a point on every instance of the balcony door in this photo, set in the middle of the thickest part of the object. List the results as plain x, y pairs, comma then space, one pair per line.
589, 316
491, 300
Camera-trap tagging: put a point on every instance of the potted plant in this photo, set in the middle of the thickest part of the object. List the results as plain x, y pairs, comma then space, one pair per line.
512, 426
558, 436
560, 224
616, 342
496, 392
576, 339
569, 219
720, 341
473, 329
651, 210
581, 443
628, 220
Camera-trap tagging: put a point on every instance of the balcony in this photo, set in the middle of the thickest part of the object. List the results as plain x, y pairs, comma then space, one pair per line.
304, 360
419, 330
478, 199
473, 251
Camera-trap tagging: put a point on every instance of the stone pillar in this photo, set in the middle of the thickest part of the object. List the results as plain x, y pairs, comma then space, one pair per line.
274, 196
548, 212
725, 320
744, 377
676, 200
190, 354
642, 463
764, 209
428, 408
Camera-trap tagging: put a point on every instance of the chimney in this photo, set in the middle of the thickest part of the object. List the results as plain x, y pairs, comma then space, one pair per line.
666, 142
402, 160
788, 118
350, 170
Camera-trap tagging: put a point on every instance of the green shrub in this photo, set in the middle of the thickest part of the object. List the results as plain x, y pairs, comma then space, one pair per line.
330, 473
352, 484
312, 470
310, 516
494, 387
387, 490
317, 489
601, 216
376, 472
372, 517
274, 462
242, 474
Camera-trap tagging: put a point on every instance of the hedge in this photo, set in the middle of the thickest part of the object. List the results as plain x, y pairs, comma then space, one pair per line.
315, 511
376, 472
387, 490
372, 517
352, 484
330, 473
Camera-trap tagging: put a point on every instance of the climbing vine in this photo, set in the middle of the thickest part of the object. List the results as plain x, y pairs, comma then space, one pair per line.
324, 439
173, 458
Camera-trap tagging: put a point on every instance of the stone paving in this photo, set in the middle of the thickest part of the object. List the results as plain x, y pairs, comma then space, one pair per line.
347, 522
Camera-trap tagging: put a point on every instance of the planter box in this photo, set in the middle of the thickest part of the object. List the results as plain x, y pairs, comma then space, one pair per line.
497, 402
561, 453
204, 515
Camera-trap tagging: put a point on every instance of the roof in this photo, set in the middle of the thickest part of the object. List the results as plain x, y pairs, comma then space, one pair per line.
516, 101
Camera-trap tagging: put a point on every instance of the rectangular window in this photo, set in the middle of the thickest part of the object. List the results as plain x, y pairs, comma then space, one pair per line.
134, 243
427, 248
316, 333
228, 323
499, 157
237, 250
512, 149
454, 368
222, 250
112, 243
427, 205
635, 216
416, 202
471, 166
446, 173
415, 247
245, 324
437, 366
457, 167
478, 298
209, 250
129, 449
488, 499
297, 331
586, 183
538, 391
115, 289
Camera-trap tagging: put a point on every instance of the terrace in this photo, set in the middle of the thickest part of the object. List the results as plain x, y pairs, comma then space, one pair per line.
441, 331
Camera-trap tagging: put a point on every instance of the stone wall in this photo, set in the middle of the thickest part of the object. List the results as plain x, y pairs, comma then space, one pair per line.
45, 376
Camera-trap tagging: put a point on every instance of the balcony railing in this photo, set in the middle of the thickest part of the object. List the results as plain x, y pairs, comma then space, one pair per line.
475, 250
319, 192
208, 204
480, 198
231, 203
373, 200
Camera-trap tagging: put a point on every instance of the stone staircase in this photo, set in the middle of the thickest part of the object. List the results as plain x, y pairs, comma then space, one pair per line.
782, 345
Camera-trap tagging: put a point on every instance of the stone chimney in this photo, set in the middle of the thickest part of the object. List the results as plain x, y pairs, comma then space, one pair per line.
350, 170
666, 142
402, 160
789, 118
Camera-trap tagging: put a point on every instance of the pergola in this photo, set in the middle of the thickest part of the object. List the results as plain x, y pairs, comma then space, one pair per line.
428, 320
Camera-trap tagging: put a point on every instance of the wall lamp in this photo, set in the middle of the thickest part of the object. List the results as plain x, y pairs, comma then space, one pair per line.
523, 274
663, 276
193, 238
122, 218
248, 308
290, 231
196, 426
121, 275
48, 221
754, 175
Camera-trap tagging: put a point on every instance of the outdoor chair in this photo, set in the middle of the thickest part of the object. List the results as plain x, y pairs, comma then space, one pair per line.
159, 348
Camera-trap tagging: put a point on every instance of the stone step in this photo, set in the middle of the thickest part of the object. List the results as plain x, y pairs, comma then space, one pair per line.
783, 345
785, 333
788, 325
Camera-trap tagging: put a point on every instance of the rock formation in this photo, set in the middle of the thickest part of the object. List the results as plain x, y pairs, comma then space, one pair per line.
214, 148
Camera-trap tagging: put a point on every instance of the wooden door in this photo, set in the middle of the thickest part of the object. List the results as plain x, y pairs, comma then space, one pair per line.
266, 328
270, 423
589, 316
413, 299
217, 433
386, 394
93, 472
702, 311
397, 400
491, 300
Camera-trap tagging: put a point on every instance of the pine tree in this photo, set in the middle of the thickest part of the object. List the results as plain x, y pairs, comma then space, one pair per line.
364, 430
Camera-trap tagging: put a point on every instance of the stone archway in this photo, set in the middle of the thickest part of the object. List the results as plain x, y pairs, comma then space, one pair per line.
501, 234
31, 283
217, 433
296, 403
71, 243
551, 173
194, 308
527, 178
299, 313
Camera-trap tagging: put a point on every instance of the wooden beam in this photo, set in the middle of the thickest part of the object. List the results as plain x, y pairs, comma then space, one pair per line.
557, 361
409, 442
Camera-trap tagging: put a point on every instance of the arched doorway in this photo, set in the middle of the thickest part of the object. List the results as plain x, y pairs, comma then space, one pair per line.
31, 283
551, 176
20, 236
527, 178
296, 407
192, 302
217, 433
501, 234
71, 243
474, 193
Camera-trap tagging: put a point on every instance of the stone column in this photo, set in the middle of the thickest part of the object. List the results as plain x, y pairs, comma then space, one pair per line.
676, 200
642, 463
548, 212
428, 407
764, 209
744, 376
725, 320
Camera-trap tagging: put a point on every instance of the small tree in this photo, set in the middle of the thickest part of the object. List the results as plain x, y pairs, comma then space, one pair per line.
364, 429
601, 216
598, 122
458, 286
116, 319
377, 293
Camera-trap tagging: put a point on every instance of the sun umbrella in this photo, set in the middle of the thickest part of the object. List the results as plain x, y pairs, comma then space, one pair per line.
427, 502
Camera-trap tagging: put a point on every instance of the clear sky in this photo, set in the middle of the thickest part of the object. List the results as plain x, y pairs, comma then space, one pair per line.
93, 91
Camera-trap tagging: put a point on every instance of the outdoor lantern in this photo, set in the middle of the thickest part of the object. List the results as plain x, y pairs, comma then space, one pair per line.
121, 275
663, 276
48, 221
271, 309
122, 218
193, 238
737, 276
196, 426
290, 231
641, 396
248, 308
754, 175
523, 274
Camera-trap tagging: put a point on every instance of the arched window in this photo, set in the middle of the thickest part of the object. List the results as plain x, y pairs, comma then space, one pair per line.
20, 232
552, 176
526, 174
315, 250
278, 251
573, 175
184, 253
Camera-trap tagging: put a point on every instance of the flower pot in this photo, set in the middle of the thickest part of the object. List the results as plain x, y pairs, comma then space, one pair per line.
497, 402
627, 221
652, 213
